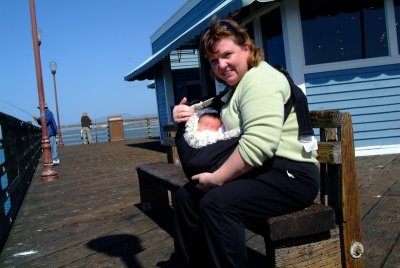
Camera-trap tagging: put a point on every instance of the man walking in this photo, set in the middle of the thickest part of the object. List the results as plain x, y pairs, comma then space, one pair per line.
86, 124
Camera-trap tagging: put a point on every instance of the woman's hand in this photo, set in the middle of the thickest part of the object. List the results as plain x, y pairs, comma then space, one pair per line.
182, 112
233, 167
206, 181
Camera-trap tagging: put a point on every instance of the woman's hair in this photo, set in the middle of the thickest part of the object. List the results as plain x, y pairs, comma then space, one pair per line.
227, 28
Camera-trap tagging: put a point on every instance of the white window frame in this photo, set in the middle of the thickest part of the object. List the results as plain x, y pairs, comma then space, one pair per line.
393, 57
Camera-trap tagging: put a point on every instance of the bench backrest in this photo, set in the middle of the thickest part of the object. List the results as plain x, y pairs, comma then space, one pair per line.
339, 187
172, 152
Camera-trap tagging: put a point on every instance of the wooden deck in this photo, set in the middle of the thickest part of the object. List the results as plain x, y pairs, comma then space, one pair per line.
91, 217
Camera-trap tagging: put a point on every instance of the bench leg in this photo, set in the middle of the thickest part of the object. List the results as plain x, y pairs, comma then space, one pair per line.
325, 253
152, 195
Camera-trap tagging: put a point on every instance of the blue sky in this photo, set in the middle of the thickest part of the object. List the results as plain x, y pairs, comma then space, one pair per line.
95, 43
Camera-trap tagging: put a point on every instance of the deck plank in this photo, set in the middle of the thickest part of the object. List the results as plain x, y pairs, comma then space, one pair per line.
91, 217
378, 240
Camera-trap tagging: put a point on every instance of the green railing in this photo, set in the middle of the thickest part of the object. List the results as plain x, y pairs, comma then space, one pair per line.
20, 150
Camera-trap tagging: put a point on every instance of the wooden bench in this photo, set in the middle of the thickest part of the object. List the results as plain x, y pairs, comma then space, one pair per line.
326, 234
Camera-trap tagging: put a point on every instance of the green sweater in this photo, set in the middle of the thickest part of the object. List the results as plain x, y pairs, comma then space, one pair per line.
257, 106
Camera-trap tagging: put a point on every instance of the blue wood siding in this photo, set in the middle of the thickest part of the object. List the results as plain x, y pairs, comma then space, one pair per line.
371, 95
161, 100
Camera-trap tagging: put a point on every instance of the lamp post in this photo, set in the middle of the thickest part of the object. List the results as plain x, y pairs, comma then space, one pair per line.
48, 173
53, 68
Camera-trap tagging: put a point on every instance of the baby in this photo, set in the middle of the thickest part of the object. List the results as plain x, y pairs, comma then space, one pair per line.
205, 127
203, 143
209, 121
209, 125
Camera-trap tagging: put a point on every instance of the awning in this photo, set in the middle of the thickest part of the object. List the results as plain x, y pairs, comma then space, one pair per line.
144, 71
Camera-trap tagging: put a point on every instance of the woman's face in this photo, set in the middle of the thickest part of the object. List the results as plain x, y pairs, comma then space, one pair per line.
229, 62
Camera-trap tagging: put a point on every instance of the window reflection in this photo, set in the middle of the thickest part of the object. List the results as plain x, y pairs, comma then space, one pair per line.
250, 30
271, 29
397, 14
343, 30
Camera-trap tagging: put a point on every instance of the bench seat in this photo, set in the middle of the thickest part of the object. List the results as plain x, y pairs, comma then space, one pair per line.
156, 181
314, 223
168, 177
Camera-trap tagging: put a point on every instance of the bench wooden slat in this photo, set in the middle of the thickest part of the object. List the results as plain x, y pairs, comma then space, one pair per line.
351, 224
329, 152
170, 141
172, 152
302, 223
326, 119
155, 180
163, 173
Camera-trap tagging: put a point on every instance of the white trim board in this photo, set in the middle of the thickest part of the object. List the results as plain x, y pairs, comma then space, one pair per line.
377, 150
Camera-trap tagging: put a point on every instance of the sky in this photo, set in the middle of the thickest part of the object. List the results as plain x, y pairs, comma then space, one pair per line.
95, 43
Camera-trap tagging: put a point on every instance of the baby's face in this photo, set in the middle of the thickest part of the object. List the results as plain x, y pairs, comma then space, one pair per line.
208, 123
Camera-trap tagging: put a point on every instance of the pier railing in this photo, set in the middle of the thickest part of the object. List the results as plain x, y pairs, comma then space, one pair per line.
100, 131
20, 150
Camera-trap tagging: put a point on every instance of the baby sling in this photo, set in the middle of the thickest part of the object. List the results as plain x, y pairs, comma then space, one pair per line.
299, 100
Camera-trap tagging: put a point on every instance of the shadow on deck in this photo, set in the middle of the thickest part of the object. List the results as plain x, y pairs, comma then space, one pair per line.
91, 218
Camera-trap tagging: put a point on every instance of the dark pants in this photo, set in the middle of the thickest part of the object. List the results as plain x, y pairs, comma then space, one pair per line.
210, 226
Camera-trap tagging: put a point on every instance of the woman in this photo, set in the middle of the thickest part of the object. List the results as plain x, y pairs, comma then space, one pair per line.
268, 174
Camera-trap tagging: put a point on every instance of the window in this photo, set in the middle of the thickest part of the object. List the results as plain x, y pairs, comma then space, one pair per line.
271, 29
397, 15
250, 30
343, 30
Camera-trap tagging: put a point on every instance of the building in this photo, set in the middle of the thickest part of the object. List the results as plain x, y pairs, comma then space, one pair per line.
344, 54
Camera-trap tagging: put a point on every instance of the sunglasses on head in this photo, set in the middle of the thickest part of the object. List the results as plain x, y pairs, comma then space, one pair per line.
232, 29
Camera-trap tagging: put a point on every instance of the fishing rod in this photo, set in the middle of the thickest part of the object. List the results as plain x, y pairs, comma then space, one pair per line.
15, 106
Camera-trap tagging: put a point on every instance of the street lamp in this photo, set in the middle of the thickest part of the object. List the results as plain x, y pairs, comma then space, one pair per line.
53, 69
39, 36
48, 173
